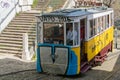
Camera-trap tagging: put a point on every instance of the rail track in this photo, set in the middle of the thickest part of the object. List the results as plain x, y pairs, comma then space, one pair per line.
32, 74
112, 74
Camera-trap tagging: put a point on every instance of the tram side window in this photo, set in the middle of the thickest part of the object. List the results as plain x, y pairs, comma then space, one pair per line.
111, 19
98, 29
91, 28
76, 27
53, 33
105, 22
108, 21
95, 26
100, 26
71, 34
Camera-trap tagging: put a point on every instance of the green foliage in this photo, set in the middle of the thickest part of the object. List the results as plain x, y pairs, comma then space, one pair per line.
35, 2
34, 57
56, 3
17, 14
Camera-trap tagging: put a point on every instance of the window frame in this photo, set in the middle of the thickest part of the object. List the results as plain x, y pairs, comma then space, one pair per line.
65, 31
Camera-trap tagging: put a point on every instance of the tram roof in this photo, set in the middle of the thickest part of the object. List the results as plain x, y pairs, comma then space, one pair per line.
77, 11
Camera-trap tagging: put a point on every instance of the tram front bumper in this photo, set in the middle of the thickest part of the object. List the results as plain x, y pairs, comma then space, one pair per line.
56, 60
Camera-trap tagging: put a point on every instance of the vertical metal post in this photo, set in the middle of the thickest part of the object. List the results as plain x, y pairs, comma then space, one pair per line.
116, 35
65, 33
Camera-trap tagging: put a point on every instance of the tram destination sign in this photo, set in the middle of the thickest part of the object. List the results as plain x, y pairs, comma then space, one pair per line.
53, 19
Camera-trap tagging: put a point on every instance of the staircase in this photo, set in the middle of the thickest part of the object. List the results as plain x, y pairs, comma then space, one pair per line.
12, 37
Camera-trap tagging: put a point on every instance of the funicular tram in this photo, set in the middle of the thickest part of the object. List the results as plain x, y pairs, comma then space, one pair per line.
71, 41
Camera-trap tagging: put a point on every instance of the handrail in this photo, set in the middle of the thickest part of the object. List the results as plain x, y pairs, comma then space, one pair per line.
2, 20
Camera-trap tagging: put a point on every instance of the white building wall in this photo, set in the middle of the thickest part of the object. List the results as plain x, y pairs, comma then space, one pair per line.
9, 8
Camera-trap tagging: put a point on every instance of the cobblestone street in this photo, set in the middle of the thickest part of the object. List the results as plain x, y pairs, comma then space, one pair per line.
15, 69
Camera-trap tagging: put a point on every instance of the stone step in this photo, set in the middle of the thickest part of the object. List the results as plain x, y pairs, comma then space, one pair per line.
18, 33
10, 44
11, 36
27, 18
11, 51
14, 42
23, 25
27, 21
34, 12
39, 9
15, 38
10, 41
28, 14
10, 48
31, 12
21, 28
24, 19
39, 6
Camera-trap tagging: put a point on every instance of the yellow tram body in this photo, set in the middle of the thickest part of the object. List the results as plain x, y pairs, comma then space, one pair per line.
77, 53
97, 43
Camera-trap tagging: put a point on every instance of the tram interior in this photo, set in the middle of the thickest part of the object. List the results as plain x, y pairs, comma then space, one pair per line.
53, 33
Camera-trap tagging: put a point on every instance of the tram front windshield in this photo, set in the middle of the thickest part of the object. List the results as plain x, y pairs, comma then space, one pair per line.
53, 33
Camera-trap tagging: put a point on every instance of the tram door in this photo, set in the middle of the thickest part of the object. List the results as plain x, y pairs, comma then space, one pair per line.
83, 24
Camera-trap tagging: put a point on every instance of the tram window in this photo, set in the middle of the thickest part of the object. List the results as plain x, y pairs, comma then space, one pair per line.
91, 28
94, 26
103, 23
76, 27
111, 19
100, 27
107, 20
71, 38
82, 29
53, 33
